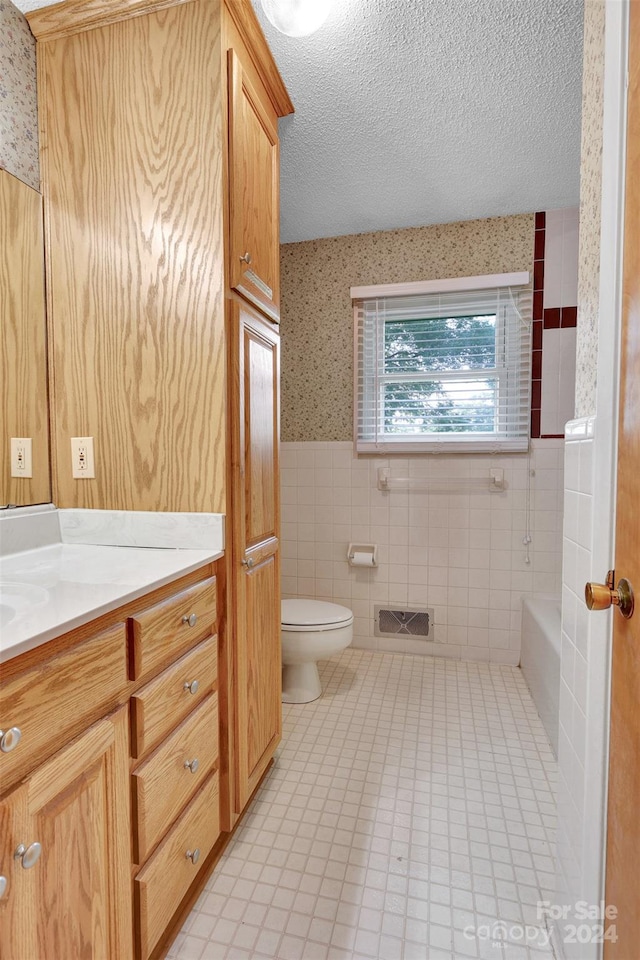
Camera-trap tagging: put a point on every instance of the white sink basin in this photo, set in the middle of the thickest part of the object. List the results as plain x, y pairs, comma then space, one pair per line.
18, 599
6, 614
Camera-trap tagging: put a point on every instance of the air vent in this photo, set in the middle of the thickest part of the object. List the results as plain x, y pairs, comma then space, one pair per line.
415, 622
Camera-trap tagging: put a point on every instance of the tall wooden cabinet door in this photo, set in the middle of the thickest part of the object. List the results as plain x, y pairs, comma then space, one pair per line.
77, 893
254, 193
254, 404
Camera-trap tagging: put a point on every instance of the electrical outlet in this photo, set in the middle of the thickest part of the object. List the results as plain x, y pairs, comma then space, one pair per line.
21, 462
82, 460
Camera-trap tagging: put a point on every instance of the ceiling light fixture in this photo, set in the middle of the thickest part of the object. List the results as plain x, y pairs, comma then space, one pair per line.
297, 18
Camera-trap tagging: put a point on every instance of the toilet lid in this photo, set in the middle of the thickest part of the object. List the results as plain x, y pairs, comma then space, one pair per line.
310, 613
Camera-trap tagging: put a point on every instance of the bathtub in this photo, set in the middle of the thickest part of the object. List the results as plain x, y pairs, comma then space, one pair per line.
540, 659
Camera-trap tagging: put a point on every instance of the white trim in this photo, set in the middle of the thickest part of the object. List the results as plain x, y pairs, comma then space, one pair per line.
595, 776
451, 285
605, 441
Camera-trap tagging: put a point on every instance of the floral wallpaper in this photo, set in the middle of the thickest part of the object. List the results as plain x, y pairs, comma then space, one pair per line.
590, 199
18, 103
317, 314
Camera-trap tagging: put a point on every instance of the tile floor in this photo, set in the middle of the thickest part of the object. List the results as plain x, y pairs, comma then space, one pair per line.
410, 815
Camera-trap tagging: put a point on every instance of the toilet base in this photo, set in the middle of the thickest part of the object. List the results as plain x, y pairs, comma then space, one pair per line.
300, 682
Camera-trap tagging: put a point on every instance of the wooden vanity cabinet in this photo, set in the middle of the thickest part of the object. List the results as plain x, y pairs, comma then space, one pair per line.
125, 806
72, 897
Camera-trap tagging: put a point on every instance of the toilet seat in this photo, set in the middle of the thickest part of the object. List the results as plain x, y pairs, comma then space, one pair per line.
306, 616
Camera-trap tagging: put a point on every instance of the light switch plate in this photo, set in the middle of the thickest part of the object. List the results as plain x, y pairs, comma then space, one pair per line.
21, 458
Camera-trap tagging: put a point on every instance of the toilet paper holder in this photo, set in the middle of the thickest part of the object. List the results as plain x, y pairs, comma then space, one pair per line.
362, 554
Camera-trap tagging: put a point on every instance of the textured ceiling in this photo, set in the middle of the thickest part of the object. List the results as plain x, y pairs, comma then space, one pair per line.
413, 112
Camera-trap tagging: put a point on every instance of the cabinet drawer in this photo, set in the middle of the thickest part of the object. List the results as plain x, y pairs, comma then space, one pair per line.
169, 628
54, 701
167, 700
164, 783
163, 882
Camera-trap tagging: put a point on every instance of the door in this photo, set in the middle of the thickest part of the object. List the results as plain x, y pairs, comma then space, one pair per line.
623, 820
254, 188
254, 406
71, 897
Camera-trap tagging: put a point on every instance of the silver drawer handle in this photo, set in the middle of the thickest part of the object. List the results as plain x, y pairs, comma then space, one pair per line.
192, 619
193, 855
246, 259
192, 764
191, 687
29, 856
3, 886
247, 562
9, 739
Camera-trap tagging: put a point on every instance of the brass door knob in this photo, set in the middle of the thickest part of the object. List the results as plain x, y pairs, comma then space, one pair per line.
601, 596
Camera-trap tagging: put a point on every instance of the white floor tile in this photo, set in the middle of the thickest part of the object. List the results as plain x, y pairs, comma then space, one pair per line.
410, 814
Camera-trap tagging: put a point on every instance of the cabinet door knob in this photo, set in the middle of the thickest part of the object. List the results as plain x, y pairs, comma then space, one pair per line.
193, 855
28, 856
9, 739
192, 765
191, 620
247, 562
191, 687
3, 886
246, 259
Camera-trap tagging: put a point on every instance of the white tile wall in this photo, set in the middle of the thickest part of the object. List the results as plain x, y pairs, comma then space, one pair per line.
582, 684
460, 553
561, 258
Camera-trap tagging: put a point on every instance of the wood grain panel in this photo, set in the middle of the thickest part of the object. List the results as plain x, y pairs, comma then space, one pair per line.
162, 785
23, 362
79, 812
164, 881
254, 187
623, 824
261, 436
53, 701
161, 704
162, 632
132, 169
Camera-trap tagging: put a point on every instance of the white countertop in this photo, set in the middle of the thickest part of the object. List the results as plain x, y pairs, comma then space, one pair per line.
47, 591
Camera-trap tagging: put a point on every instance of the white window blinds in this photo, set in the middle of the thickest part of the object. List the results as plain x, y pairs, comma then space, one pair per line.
440, 372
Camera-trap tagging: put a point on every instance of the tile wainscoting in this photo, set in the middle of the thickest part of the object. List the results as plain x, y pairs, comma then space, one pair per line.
459, 553
583, 701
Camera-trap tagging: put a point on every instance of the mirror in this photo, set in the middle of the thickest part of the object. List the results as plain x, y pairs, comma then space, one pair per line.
23, 356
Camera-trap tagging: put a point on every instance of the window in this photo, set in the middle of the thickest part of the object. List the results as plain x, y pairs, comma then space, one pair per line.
443, 370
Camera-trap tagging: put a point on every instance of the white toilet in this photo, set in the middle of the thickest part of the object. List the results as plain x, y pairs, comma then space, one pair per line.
311, 630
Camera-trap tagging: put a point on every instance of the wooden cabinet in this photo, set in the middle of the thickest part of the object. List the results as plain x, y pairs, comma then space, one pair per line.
254, 241
254, 406
75, 899
112, 799
161, 193
133, 106
176, 742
